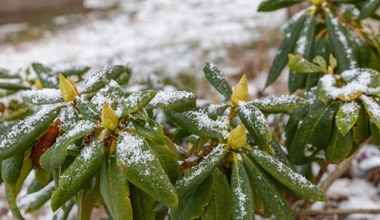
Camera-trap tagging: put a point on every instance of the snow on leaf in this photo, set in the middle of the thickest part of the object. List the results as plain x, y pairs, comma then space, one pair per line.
43, 96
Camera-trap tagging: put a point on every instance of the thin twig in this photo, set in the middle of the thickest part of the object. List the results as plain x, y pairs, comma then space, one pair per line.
338, 172
341, 212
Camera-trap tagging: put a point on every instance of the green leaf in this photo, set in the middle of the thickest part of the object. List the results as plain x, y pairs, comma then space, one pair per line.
178, 101
256, 124
267, 190
71, 70
340, 43
13, 86
198, 173
101, 77
286, 47
46, 75
303, 46
55, 156
199, 123
375, 131
143, 169
372, 108
85, 165
313, 133
361, 130
36, 200
320, 61
142, 205
87, 109
369, 8
276, 104
216, 78
150, 129
215, 110
192, 206
23, 134
6, 74
88, 201
11, 168
42, 97
285, 175
136, 101
346, 117
300, 65
115, 189
168, 159
11, 199
242, 199
339, 146
219, 206
272, 5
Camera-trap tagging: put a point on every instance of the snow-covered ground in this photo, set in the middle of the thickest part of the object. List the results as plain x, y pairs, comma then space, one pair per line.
162, 36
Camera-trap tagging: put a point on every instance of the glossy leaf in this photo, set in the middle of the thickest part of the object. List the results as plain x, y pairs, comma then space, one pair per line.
13, 86
85, 165
276, 104
372, 108
115, 190
271, 5
198, 173
142, 205
168, 159
151, 130
340, 43
339, 146
267, 190
242, 200
11, 199
199, 124
42, 97
256, 124
56, 155
143, 169
101, 77
136, 101
286, 47
300, 65
45, 75
192, 206
312, 134
178, 101
11, 168
285, 175
219, 206
36, 200
216, 78
23, 134
87, 109
346, 117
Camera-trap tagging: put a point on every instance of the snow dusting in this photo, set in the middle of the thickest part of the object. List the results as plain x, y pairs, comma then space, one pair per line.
131, 150
166, 98
43, 96
25, 126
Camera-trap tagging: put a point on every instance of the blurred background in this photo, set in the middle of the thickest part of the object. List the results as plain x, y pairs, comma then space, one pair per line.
165, 37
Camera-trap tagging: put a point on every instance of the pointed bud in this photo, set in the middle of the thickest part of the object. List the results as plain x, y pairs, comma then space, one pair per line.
237, 137
109, 117
317, 2
38, 84
67, 88
241, 91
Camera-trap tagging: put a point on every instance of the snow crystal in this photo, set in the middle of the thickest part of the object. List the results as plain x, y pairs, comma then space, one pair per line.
86, 153
211, 158
45, 95
372, 107
204, 122
242, 200
131, 150
166, 98
358, 81
260, 121
25, 126
98, 76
